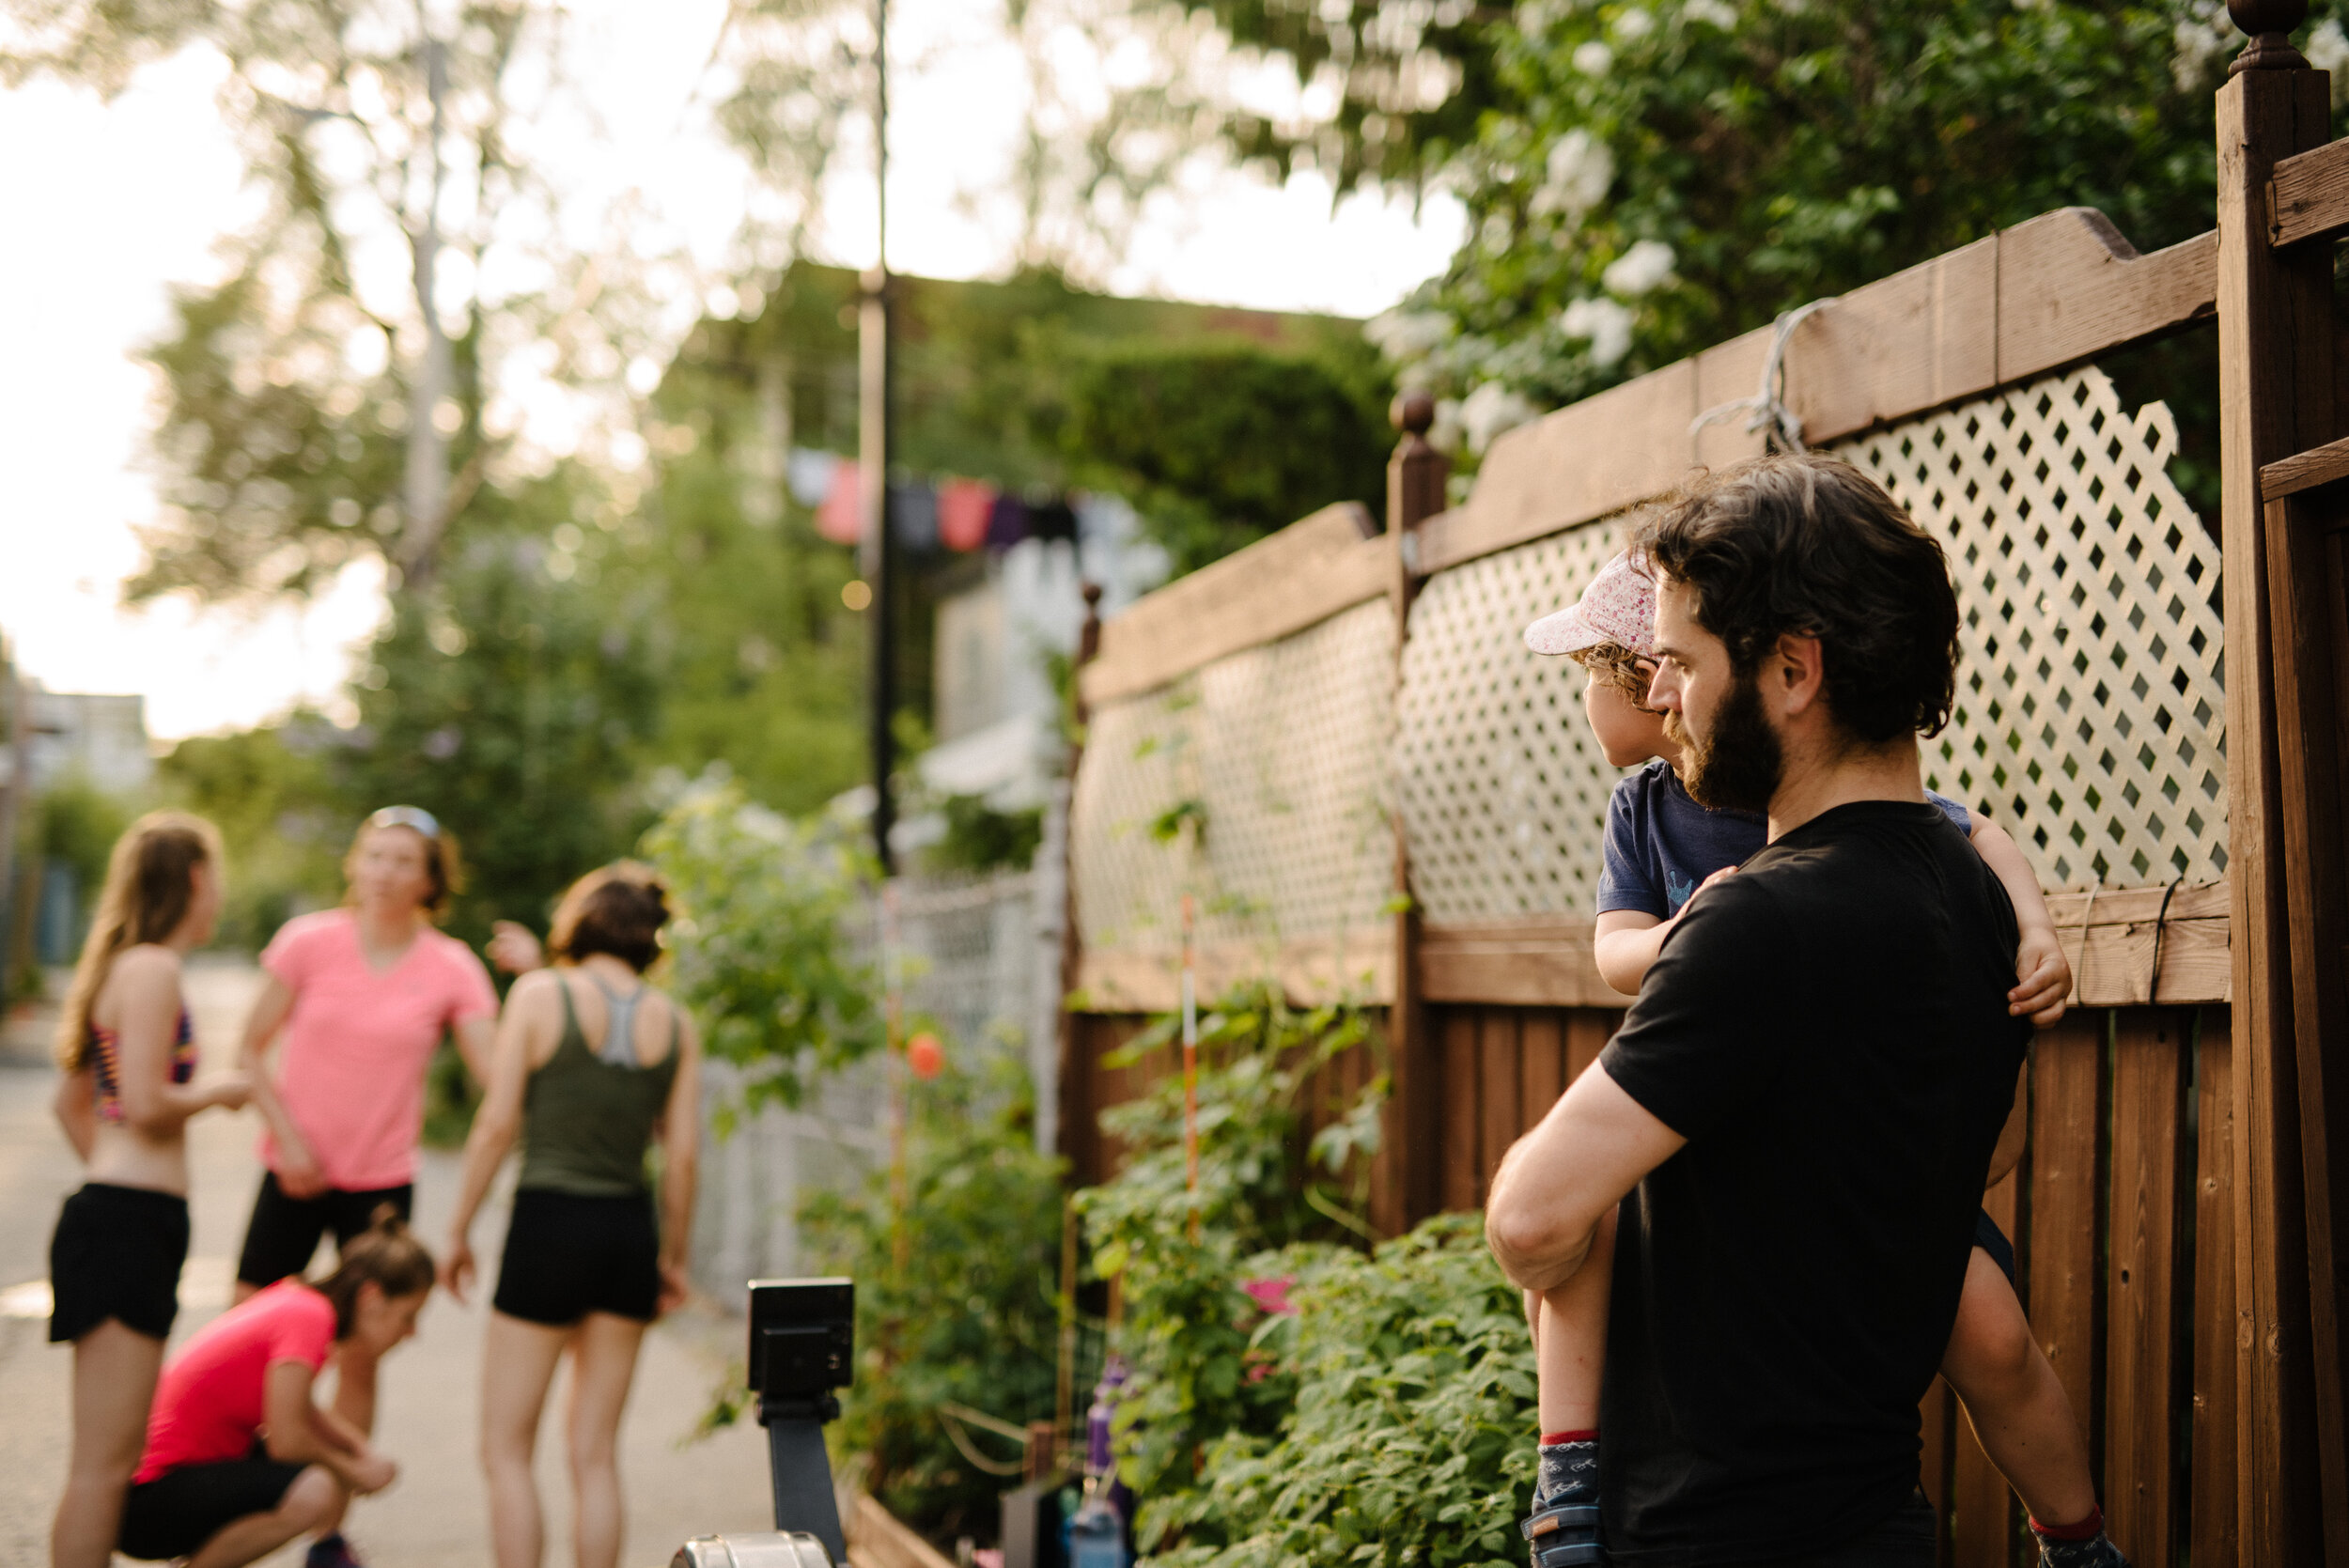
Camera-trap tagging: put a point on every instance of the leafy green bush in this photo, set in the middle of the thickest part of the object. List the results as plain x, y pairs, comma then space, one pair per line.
1219, 445
1189, 1316
761, 946
1410, 1438
969, 1316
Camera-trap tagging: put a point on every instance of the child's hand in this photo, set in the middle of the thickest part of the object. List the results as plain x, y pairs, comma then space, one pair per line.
1723, 875
2044, 977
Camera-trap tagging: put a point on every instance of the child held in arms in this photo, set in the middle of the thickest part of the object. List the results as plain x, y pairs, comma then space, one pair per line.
1661, 850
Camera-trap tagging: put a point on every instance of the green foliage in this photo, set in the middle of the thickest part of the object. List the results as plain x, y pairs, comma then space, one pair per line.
512, 704
980, 838
1219, 445
282, 814
1188, 1322
760, 950
78, 824
1412, 82
270, 489
1648, 180
1411, 1439
972, 1315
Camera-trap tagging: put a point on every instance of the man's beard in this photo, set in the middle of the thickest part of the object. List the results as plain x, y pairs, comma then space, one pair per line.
1737, 764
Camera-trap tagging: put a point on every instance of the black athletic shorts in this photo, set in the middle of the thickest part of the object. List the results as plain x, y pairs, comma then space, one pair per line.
175, 1513
568, 1256
117, 1253
284, 1231
1993, 1240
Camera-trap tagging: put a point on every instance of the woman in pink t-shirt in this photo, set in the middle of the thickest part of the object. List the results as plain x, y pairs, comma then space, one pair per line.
358, 1000
238, 1460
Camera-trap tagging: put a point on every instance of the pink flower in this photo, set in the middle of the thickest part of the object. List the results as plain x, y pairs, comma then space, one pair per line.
1271, 1294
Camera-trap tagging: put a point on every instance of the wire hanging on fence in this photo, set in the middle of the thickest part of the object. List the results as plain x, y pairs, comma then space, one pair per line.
1767, 415
954, 1417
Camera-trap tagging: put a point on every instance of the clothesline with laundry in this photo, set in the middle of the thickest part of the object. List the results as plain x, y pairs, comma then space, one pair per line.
948, 513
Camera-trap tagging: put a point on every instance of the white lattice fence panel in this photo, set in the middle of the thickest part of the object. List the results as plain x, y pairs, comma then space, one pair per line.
1502, 790
2091, 707
1253, 785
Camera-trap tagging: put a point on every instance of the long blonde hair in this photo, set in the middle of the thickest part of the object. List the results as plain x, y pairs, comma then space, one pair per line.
151, 881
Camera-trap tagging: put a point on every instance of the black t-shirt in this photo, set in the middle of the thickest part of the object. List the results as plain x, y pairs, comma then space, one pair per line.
1829, 1030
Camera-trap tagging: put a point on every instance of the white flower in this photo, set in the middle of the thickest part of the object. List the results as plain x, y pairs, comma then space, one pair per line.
1445, 433
1488, 410
1407, 334
1592, 58
1633, 23
1581, 167
2328, 50
1606, 322
2203, 40
1646, 266
1713, 13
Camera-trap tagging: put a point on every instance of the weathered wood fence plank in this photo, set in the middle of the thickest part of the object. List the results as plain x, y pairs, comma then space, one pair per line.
2144, 1376
2216, 1317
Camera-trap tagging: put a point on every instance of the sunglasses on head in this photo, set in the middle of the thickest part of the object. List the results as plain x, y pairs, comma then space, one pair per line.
415, 818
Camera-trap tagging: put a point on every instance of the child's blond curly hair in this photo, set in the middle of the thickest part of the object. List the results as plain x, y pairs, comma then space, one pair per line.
1628, 673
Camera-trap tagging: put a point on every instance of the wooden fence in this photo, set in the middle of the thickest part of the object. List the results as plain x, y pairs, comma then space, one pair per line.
2151, 702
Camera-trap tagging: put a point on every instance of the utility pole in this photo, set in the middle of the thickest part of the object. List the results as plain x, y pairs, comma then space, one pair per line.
426, 488
17, 783
876, 446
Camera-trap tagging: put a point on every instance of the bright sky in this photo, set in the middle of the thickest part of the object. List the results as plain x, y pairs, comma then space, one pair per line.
107, 206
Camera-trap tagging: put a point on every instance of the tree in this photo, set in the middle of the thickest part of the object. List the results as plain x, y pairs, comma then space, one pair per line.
1644, 180
1219, 445
514, 704
798, 92
315, 411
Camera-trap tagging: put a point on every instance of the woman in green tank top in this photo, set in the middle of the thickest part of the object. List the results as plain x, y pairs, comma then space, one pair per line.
592, 1066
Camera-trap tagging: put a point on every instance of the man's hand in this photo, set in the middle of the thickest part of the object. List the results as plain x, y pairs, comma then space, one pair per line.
2044, 977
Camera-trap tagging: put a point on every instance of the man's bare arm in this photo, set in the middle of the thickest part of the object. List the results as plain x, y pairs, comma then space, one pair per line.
1556, 1181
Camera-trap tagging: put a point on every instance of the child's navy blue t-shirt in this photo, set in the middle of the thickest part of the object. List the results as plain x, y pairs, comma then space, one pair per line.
1660, 843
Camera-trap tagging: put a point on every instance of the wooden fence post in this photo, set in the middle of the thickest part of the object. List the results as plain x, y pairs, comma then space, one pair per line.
2275, 336
1403, 1182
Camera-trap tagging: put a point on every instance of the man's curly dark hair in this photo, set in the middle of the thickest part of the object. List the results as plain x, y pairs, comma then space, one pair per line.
1802, 543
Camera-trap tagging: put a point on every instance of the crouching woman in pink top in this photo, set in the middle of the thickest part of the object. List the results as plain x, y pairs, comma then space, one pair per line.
238, 1460
357, 999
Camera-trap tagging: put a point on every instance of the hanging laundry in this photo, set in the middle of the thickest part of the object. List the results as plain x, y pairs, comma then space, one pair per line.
809, 475
1053, 520
964, 506
840, 517
1007, 524
913, 517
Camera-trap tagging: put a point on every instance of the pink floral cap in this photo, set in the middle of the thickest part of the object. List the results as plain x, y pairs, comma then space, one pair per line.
1618, 607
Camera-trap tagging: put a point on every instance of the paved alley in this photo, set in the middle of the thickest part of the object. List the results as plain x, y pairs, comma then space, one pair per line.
436, 1516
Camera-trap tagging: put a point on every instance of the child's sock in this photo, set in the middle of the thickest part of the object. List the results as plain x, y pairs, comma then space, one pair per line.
1569, 1468
1568, 1479
2078, 1545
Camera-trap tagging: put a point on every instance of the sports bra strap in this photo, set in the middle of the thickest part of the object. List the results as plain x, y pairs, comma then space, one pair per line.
619, 1030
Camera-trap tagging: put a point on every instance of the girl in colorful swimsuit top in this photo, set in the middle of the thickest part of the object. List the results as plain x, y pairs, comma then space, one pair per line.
128, 1091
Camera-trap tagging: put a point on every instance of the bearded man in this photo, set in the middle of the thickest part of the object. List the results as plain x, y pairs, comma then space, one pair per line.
1803, 1101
